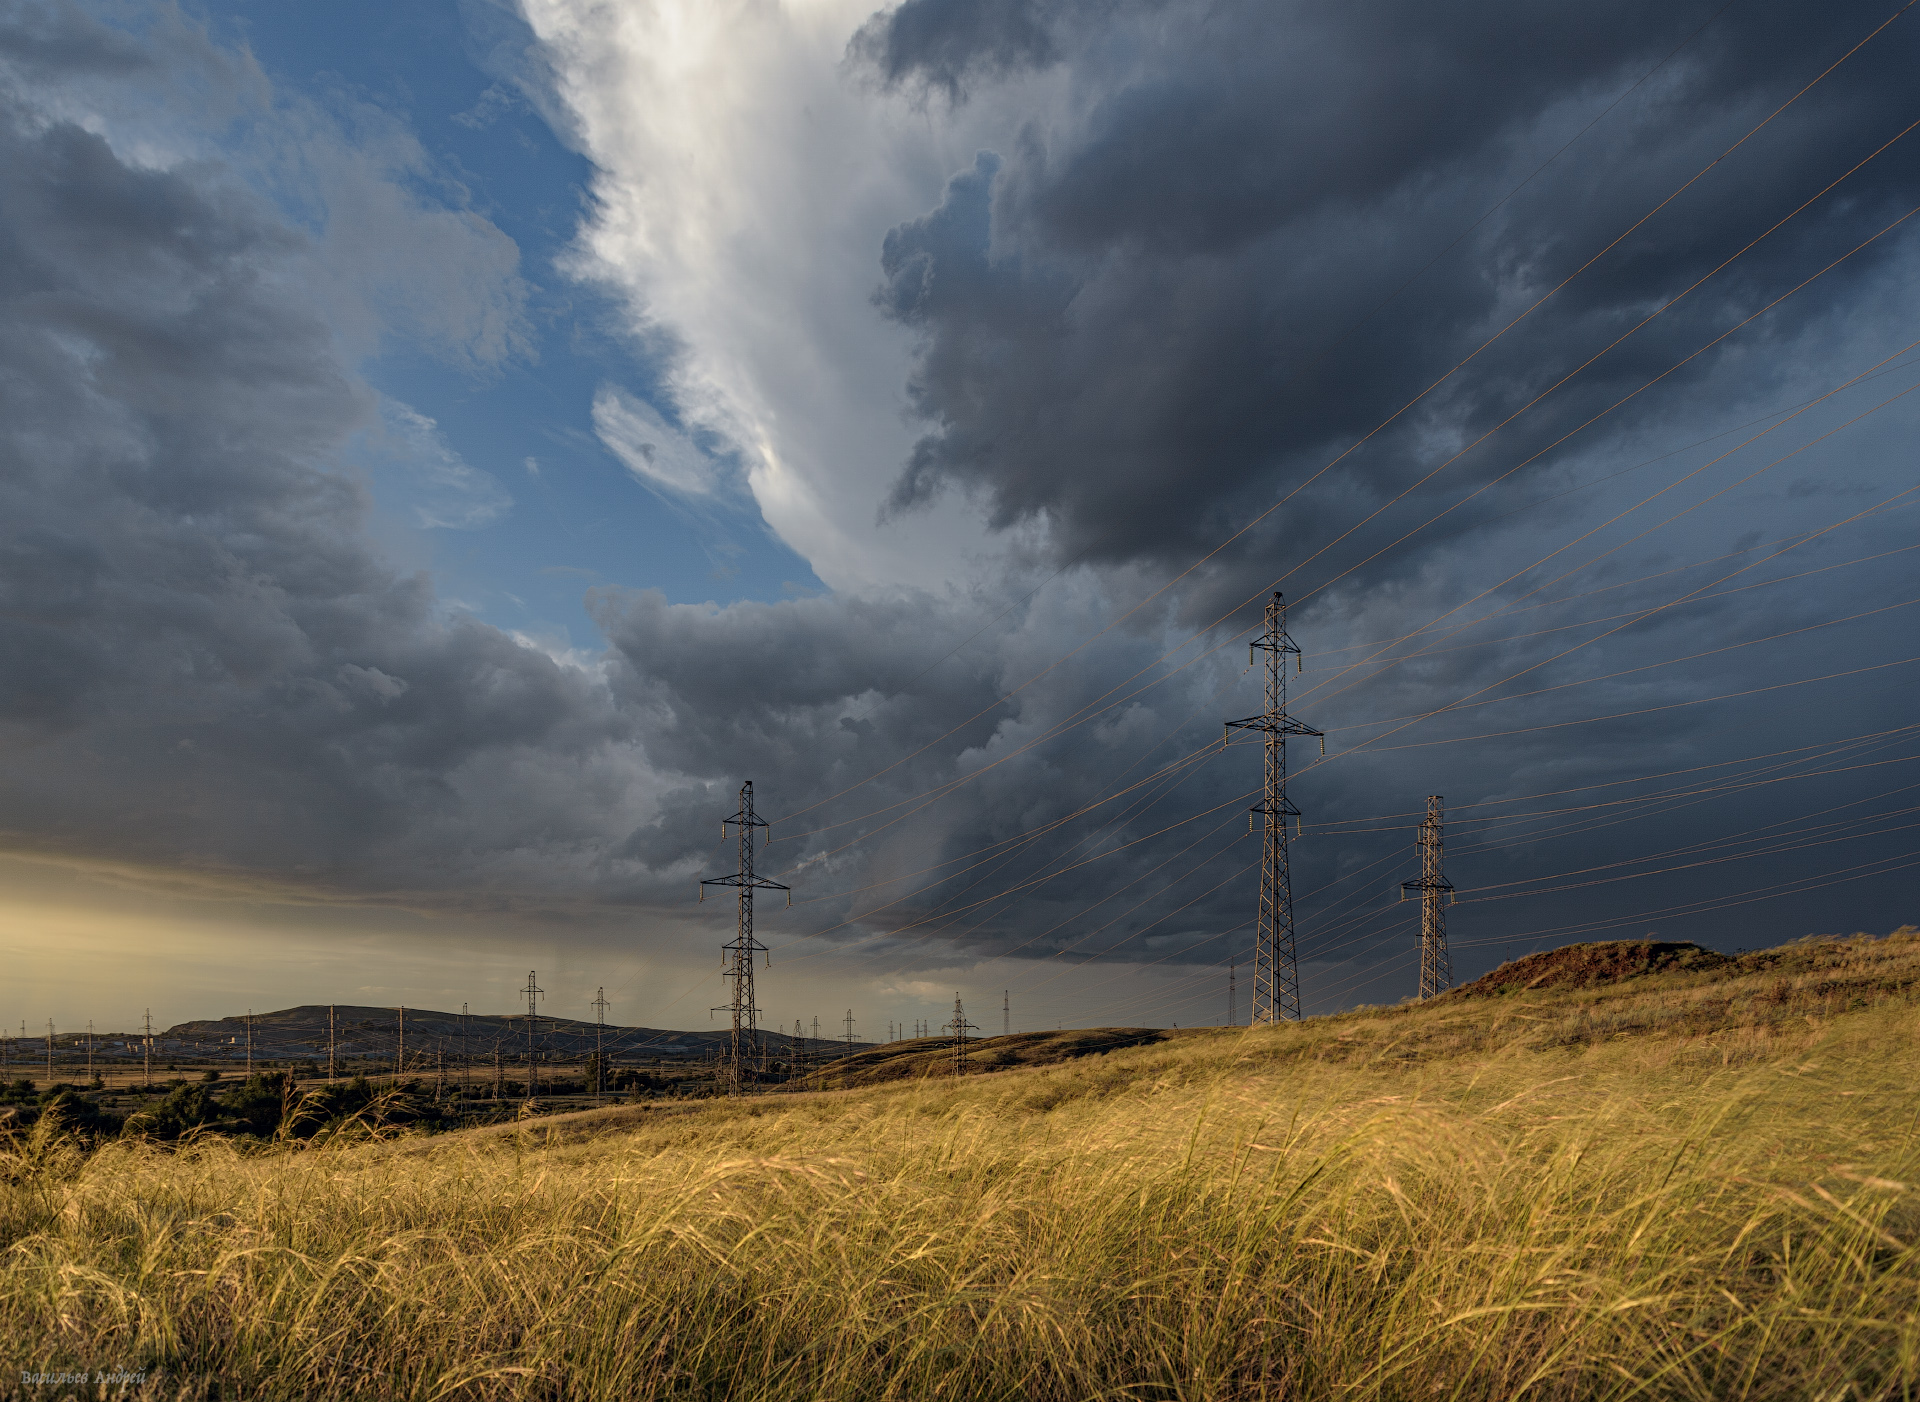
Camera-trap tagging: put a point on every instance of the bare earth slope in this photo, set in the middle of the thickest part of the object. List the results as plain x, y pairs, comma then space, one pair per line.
1584, 965
933, 1056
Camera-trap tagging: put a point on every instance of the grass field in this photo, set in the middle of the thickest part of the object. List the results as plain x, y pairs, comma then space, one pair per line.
1678, 1187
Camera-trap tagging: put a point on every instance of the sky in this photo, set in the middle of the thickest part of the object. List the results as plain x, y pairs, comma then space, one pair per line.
446, 449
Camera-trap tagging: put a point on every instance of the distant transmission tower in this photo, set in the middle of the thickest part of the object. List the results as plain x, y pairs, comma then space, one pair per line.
1436, 968
533, 992
1276, 966
1006, 1012
89, 1051
146, 1044
849, 1022
959, 1027
1233, 996
743, 1047
599, 1006
330, 1042
249, 1043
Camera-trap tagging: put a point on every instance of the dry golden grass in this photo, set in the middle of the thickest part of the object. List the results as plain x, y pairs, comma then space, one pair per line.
1688, 1189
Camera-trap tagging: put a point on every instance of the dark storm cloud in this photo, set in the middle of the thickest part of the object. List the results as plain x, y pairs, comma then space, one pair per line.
203, 657
205, 661
1176, 317
938, 45
1247, 235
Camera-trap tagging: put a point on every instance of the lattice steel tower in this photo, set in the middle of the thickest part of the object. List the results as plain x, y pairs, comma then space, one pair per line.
959, 1027
534, 994
745, 1053
1436, 969
1276, 970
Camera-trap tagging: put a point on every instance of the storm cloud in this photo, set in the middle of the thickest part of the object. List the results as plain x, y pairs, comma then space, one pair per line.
1127, 275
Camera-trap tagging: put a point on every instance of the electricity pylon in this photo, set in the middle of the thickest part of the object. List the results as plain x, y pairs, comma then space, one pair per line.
744, 1052
599, 1006
1436, 968
533, 992
959, 1027
1276, 967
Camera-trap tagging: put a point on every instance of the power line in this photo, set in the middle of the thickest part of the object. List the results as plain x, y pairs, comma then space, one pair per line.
1398, 413
948, 788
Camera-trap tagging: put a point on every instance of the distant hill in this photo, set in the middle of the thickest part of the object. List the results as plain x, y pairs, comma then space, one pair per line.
370, 1031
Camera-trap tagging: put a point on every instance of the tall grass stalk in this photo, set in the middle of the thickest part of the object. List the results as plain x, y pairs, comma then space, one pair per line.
1219, 1217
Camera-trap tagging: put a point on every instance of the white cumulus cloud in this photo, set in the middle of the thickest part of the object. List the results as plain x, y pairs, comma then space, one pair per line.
658, 455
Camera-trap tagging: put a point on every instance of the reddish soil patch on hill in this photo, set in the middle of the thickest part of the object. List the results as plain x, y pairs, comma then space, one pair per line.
1587, 965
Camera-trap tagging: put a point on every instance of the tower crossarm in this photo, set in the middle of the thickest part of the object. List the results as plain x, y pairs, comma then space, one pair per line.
1275, 725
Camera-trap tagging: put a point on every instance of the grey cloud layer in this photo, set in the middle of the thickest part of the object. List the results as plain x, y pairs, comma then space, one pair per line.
204, 660
1167, 313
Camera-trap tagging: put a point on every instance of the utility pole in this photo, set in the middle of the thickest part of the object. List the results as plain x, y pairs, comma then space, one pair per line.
533, 992
1233, 995
1276, 966
959, 1027
146, 1043
1006, 1012
599, 1006
1436, 968
330, 1042
744, 1051
849, 1022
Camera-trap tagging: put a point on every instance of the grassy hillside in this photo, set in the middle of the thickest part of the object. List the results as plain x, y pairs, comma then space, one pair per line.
1692, 1184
